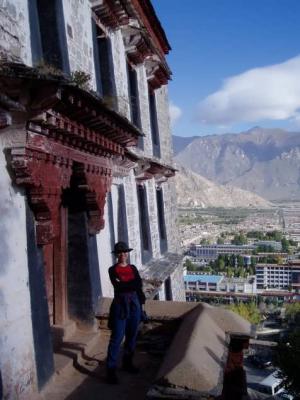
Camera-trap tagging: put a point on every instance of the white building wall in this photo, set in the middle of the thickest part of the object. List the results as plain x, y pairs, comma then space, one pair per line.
153, 219
177, 285
106, 258
115, 204
163, 119
17, 361
78, 27
144, 109
14, 31
120, 70
132, 210
161, 293
170, 202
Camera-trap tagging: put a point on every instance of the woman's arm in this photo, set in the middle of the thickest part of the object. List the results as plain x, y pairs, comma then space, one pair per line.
119, 286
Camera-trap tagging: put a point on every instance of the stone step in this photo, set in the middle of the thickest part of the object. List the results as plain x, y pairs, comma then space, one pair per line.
74, 350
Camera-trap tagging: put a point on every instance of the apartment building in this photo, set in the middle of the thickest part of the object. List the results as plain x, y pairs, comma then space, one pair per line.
211, 252
219, 283
278, 276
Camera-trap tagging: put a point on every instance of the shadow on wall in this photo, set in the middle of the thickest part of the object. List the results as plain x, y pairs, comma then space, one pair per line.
1, 391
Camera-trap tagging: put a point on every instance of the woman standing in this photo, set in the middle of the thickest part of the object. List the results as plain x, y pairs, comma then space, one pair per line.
125, 312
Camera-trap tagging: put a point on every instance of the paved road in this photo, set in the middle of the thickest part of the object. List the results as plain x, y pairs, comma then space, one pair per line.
254, 377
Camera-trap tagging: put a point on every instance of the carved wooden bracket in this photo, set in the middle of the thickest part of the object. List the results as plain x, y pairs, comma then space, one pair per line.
96, 182
122, 166
148, 169
44, 179
45, 175
110, 12
157, 73
136, 44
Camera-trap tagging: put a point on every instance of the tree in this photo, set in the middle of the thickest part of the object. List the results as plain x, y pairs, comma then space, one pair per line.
292, 312
220, 240
204, 241
239, 239
248, 311
240, 261
285, 245
287, 358
189, 265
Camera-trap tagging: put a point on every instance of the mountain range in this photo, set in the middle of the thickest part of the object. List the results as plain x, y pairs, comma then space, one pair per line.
195, 191
263, 161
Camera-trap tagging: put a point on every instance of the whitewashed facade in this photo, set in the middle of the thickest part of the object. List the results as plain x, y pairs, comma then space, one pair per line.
140, 193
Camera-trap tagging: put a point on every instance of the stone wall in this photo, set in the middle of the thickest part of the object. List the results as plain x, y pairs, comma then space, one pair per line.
120, 71
105, 257
14, 31
17, 360
169, 194
163, 119
144, 109
152, 209
79, 37
177, 284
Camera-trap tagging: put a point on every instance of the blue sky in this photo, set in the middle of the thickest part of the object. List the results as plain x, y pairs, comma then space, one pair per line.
235, 64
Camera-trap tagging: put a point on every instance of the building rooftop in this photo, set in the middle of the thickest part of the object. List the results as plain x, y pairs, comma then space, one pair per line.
203, 278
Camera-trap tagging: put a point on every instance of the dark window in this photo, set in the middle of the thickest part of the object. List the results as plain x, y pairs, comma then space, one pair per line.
161, 221
144, 224
111, 220
154, 124
133, 94
104, 68
168, 289
122, 219
48, 35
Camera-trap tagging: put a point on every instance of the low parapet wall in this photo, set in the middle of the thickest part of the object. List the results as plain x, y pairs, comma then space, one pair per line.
197, 359
206, 352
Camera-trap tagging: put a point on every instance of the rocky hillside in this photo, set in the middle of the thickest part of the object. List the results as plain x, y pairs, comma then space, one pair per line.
263, 161
194, 190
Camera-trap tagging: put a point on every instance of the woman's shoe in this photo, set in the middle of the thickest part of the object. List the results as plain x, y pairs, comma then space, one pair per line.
111, 376
128, 365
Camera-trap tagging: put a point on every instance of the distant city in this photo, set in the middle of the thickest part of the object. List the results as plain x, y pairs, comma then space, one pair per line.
241, 253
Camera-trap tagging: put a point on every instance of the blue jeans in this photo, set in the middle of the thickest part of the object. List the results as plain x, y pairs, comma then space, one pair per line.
126, 318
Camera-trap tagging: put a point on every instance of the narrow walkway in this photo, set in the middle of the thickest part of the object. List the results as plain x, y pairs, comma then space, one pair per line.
86, 380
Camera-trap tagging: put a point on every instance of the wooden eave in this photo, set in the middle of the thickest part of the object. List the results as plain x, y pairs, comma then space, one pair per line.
157, 168
149, 19
34, 92
114, 14
148, 168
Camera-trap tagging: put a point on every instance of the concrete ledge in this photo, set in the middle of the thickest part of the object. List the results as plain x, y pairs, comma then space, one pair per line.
156, 310
196, 359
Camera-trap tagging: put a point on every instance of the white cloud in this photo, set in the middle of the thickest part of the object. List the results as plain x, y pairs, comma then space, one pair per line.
175, 113
267, 93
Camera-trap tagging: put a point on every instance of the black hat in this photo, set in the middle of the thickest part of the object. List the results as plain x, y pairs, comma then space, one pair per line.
121, 247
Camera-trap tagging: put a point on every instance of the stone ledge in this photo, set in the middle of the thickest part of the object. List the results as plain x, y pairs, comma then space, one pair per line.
158, 270
156, 310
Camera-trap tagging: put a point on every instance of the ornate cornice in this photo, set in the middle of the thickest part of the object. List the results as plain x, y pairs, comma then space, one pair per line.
136, 44
142, 32
117, 13
148, 169
122, 166
145, 13
35, 92
112, 13
156, 72
61, 129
